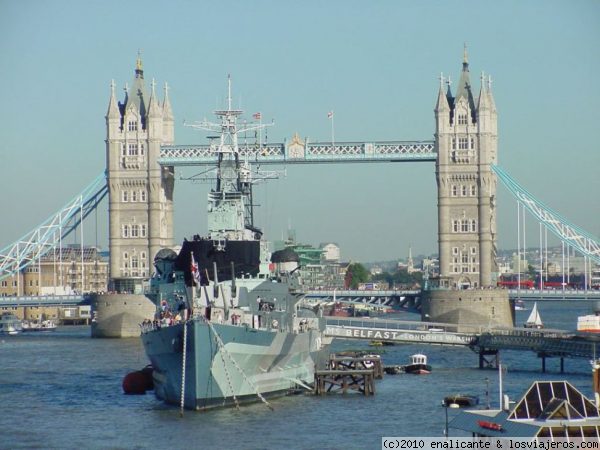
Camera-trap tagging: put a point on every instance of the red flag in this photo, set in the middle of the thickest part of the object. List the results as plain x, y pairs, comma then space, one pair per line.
257, 116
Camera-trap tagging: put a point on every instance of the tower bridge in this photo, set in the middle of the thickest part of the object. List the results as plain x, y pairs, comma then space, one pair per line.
141, 158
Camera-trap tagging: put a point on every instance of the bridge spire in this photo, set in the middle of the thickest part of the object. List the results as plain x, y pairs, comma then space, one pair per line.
113, 110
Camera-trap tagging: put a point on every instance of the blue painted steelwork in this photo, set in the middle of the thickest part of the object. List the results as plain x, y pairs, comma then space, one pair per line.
297, 152
35, 244
572, 235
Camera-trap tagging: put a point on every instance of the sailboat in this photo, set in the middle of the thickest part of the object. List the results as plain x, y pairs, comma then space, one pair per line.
534, 320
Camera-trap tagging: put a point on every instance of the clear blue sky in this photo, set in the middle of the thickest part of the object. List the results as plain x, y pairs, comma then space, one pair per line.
375, 63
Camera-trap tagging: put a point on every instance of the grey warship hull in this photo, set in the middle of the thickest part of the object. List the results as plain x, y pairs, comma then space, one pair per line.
233, 367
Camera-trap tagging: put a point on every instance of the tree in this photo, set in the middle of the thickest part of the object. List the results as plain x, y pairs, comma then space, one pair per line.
355, 275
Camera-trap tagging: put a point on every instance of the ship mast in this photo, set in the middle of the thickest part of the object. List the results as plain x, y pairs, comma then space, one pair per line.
230, 214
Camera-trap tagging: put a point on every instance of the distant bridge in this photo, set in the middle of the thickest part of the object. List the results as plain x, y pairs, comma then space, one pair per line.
481, 339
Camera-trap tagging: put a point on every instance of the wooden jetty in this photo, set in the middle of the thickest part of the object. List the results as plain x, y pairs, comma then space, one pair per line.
349, 372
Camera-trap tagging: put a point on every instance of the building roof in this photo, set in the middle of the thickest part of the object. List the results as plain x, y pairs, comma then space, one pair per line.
285, 255
545, 404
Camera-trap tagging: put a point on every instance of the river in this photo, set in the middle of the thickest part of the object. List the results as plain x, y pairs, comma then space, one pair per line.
63, 390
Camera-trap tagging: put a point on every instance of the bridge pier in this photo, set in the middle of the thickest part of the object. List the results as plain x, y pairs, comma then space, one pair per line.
544, 356
488, 363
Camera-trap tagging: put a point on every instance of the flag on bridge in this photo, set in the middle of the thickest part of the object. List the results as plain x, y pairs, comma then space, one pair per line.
257, 116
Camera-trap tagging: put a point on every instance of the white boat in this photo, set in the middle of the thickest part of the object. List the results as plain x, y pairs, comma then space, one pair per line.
36, 325
520, 305
9, 324
418, 365
591, 322
534, 320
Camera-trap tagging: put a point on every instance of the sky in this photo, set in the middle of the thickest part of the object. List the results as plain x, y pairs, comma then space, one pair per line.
375, 64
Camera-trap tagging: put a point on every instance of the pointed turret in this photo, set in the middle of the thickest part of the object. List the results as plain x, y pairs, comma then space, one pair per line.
138, 96
168, 119
464, 89
153, 104
442, 104
166, 107
490, 96
483, 103
113, 109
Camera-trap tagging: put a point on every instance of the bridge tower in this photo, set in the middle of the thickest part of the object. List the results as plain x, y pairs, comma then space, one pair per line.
466, 140
140, 191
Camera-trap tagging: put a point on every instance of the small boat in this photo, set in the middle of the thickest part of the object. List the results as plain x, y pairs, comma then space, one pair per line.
534, 320
35, 325
463, 401
418, 365
393, 370
519, 305
590, 323
9, 324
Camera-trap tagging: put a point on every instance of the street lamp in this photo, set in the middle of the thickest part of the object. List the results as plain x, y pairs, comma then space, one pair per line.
446, 406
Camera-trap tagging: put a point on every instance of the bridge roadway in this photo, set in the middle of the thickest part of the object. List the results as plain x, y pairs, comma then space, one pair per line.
544, 342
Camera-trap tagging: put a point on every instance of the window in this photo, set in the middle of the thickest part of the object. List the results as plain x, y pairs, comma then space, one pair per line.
14, 283
473, 190
473, 225
134, 196
132, 149
134, 231
454, 190
455, 250
143, 195
123, 150
464, 226
455, 226
462, 119
142, 149
143, 230
125, 255
143, 255
464, 190
453, 144
472, 143
125, 231
132, 125
125, 196
473, 250
4, 283
463, 143
134, 262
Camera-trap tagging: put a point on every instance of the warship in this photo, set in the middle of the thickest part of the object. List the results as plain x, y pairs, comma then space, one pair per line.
231, 324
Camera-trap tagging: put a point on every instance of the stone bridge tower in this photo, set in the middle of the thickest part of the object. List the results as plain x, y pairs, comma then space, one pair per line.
140, 192
466, 140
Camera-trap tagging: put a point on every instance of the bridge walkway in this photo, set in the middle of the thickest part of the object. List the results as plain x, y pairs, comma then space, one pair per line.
544, 342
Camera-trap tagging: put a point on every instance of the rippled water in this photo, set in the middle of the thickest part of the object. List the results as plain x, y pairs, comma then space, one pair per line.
63, 390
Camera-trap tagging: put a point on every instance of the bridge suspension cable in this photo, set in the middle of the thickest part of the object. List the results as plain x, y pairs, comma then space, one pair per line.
47, 236
572, 235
